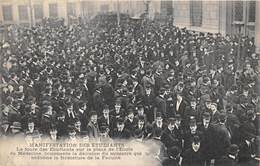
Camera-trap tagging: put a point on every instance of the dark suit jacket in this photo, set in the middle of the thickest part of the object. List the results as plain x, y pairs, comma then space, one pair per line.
207, 141
222, 140
115, 134
170, 162
169, 139
245, 152
215, 118
182, 107
248, 129
226, 161
160, 104
93, 130
233, 125
102, 121
192, 158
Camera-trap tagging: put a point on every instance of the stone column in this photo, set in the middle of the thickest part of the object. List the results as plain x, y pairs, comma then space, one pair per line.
257, 27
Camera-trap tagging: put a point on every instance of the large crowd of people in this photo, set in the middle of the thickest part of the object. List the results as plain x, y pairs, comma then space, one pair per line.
195, 94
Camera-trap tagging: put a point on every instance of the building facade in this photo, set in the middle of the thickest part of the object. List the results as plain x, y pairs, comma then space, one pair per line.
225, 17
32, 11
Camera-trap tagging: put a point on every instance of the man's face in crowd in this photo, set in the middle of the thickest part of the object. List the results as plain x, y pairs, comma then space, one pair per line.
148, 90
103, 134
106, 112
140, 122
70, 108
5, 127
178, 122
193, 84
120, 126
208, 104
171, 126
193, 104
248, 66
61, 118
245, 93
93, 119
77, 126
131, 116
72, 134
168, 91
195, 146
117, 106
193, 128
255, 99
141, 111
206, 121
6, 110
53, 134
158, 119
213, 107
31, 126
49, 111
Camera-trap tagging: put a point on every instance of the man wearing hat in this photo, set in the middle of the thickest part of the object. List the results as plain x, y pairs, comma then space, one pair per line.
193, 155
191, 110
191, 132
179, 130
70, 113
61, 124
31, 131
248, 128
230, 159
16, 130
214, 113
120, 132
168, 137
4, 128
140, 112
92, 127
98, 100
82, 113
160, 103
179, 104
222, 137
104, 136
47, 118
71, 134
158, 124
233, 124
106, 119
173, 156
148, 101
207, 142
118, 111
131, 121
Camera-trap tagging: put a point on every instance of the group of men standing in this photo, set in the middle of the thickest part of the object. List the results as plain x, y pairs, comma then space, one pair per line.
183, 90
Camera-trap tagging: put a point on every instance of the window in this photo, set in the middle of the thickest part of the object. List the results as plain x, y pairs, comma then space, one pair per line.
196, 13
251, 17
38, 11
23, 12
238, 11
71, 7
167, 7
7, 13
53, 10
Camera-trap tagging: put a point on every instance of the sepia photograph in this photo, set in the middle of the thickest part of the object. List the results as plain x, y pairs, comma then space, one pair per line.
129, 82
